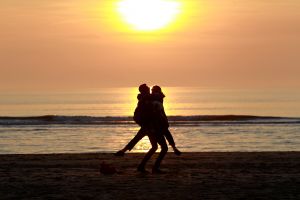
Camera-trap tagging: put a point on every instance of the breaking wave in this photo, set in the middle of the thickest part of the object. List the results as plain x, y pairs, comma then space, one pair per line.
174, 120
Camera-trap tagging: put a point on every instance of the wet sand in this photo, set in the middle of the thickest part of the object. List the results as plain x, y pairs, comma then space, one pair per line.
207, 175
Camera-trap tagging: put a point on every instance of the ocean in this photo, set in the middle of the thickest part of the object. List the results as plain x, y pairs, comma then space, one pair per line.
100, 120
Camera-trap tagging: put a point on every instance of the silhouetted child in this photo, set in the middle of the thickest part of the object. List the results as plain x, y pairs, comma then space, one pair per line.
162, 124
141, 117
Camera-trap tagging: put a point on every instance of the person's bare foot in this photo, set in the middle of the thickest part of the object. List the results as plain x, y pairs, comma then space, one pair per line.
176, 151
119, 153
157, 171
142, 169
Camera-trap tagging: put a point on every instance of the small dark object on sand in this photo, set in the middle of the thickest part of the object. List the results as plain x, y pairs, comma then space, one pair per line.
107, 169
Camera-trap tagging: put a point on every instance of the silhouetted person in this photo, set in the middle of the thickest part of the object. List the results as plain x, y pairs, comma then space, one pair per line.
157, 119
148, 115
157, 97
162, 124
142, 115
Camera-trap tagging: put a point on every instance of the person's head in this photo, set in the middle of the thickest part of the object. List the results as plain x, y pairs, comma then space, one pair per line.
156, 89
157, 94
144, 89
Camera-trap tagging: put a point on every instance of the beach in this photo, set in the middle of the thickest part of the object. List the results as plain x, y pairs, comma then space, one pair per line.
205, 175
83, 80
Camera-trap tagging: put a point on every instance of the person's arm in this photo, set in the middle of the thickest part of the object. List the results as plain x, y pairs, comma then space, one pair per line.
162, 115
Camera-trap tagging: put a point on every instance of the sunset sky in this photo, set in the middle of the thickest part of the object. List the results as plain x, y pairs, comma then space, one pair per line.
211, 43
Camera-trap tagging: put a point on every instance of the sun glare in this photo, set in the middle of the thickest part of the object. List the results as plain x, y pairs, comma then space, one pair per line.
143, 20
148, 15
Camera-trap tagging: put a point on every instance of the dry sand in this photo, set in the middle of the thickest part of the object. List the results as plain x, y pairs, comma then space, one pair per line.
269, 175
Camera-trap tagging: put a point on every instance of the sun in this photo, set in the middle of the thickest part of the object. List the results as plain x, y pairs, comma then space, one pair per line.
148, 15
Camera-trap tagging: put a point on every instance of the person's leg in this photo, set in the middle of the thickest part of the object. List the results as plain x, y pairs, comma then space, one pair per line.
170, 139
164, 149
140, 134
149, 154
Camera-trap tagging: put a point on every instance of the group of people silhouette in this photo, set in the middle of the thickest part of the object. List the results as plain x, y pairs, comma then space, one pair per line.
151, 117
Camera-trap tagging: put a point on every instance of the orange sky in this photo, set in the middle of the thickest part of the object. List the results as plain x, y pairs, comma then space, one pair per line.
222, 43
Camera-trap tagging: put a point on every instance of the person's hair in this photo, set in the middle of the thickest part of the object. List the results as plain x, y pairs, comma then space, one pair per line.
143, 88
156, 89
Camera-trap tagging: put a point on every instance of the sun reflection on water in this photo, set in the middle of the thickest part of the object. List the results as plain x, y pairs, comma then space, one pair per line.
143, 145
